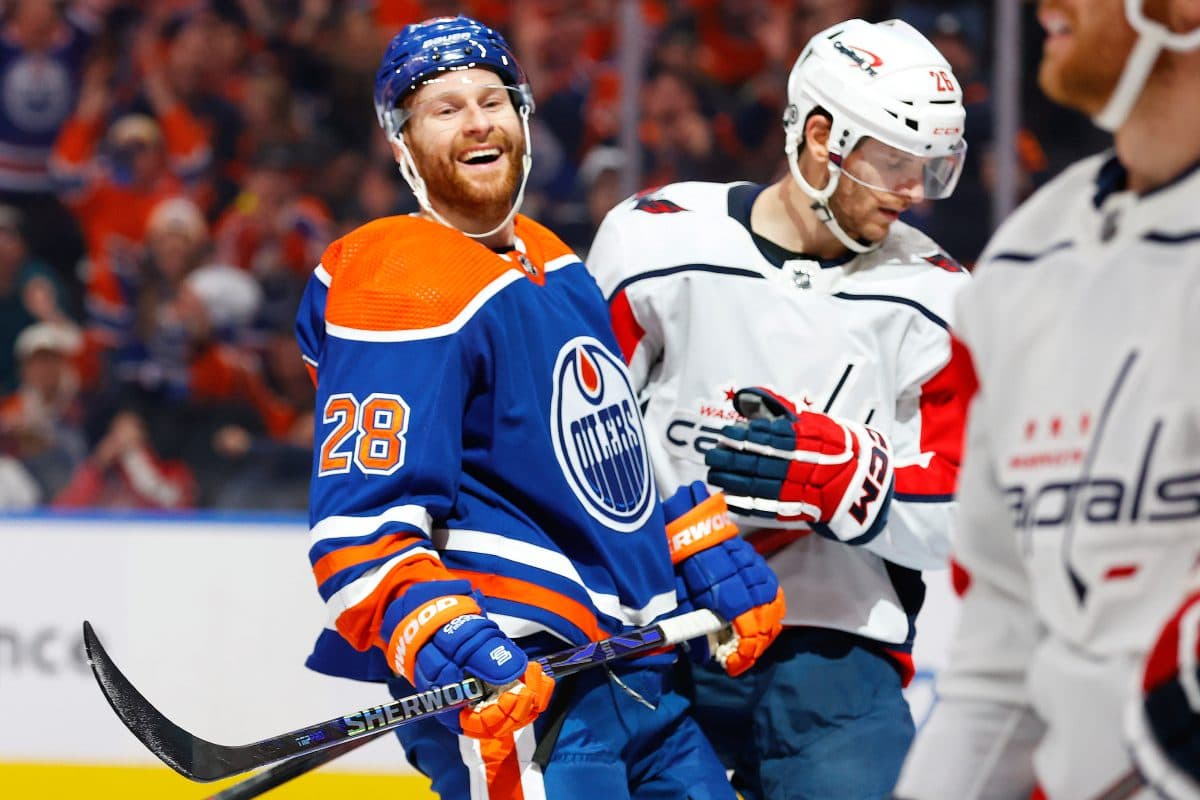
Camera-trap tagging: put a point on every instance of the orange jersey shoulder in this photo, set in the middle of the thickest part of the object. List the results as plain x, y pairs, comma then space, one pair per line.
405, 273
541, 244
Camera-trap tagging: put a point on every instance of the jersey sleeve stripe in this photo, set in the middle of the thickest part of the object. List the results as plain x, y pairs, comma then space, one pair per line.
353, 573
346, 557
347, 527
435, 331
357, 609
943, 413
323, 275
516, 627
519, 591
625, 325
526, 554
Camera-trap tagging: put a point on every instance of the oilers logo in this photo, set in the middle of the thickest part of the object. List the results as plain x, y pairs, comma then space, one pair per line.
598, 437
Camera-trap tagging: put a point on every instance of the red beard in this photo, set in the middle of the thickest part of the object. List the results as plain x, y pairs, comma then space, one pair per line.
490, 200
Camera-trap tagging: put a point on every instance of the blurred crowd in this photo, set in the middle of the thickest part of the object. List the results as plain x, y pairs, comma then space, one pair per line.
171, 171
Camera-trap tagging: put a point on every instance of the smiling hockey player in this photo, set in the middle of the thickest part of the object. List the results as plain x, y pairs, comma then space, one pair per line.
481, 489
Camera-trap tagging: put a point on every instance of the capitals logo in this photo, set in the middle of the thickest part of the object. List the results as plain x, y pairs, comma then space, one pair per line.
598, 436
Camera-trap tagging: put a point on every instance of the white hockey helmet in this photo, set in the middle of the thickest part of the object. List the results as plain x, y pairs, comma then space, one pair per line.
885, 84
1152, 38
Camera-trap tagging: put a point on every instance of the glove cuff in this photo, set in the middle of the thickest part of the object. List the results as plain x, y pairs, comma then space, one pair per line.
420, 625
705, 525
1154, 765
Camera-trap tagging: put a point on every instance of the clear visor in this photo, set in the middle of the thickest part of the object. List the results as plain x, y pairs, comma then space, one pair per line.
446, 101
885, 168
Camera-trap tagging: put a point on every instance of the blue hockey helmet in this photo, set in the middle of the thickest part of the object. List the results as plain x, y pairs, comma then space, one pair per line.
443, 44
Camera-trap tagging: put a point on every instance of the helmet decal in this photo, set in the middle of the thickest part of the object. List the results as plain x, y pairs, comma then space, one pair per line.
865, 59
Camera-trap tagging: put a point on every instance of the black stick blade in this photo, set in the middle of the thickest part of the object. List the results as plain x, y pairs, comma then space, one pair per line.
171, 743
201, 760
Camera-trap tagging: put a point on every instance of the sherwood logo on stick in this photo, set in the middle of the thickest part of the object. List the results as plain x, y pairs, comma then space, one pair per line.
413, 706
304, 749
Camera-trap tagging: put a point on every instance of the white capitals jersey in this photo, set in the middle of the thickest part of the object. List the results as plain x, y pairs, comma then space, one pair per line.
1080, 492
703, 307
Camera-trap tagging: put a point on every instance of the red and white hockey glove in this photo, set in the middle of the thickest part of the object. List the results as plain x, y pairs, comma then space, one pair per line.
441, 636
804, 467
1162, 723
718, 570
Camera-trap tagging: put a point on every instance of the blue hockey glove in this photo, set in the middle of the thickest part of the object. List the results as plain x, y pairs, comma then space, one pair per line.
803, 467
441, 636
718, 570
1162, 723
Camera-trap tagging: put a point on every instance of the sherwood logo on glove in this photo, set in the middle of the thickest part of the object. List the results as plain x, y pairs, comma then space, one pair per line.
704, 526
415, 621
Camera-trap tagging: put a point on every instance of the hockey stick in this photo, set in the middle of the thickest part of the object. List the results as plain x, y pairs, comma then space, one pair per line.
201, 760
285, 771
1124, 787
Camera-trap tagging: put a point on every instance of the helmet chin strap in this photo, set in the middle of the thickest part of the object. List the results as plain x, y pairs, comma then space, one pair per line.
1152, 38
820, 197
408, 171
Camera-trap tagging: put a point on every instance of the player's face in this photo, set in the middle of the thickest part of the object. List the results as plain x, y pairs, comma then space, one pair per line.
467, 142
862, 209
1087, 42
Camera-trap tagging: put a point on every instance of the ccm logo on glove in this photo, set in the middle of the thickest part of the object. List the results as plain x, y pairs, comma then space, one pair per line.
877, 469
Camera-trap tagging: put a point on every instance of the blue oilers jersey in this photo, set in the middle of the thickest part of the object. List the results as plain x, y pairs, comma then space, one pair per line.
40, 89
474, 420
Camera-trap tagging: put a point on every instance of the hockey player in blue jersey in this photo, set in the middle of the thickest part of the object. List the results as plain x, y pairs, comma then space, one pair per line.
481, 485
805, 330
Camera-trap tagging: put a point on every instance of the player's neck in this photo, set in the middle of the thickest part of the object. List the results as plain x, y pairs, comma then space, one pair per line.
783, 215
499, 240
1158, 141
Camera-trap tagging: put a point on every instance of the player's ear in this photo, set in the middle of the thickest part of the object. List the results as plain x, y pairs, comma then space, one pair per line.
816, 137
395, 150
